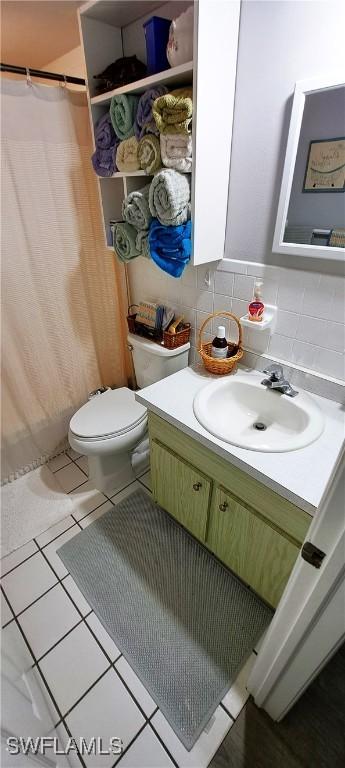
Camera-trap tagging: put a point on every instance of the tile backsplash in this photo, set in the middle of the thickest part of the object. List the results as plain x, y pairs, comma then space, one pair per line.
310, 329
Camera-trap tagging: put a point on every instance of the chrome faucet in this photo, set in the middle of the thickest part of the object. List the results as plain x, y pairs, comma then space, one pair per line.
276, 380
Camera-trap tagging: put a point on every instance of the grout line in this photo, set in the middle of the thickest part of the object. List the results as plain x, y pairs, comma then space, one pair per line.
77, 486
77, 465
59, 641
227, 711
70, 736
111, 662
21, 563
10, 607
55, 537
121, 491
163, 744
35, 600
129, 745
130, 692
145, 486
77, 521
54, 471
7, 623
86, 692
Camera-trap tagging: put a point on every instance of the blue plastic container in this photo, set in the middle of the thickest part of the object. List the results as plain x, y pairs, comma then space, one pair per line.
156, 35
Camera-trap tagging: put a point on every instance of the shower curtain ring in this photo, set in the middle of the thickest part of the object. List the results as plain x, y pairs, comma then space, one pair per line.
28, 76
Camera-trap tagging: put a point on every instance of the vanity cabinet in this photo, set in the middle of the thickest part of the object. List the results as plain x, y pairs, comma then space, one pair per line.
187, 497
259, 554
250, 528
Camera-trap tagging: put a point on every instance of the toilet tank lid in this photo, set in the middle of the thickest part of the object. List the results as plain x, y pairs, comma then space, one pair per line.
154, 348
115, 411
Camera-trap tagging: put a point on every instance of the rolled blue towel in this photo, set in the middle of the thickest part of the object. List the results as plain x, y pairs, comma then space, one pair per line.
123, 110
144, 121
170, 247
103, 161
105, 136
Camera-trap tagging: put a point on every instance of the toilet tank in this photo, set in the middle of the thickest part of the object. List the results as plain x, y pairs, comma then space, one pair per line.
153, 362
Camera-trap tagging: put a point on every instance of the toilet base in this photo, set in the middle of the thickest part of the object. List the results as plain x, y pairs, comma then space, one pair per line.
111, 473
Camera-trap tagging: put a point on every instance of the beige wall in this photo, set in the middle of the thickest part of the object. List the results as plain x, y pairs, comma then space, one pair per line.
71, 63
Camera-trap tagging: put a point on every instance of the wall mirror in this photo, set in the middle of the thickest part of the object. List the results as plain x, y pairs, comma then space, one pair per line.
311, 210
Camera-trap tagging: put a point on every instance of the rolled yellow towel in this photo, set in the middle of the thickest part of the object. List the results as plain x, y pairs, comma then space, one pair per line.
173, 112
127, 155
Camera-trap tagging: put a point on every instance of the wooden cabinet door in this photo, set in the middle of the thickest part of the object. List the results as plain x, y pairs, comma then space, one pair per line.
180, 489
259, 554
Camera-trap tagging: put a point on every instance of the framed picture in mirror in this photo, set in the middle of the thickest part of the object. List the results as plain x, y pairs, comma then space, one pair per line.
311, 221
325, 170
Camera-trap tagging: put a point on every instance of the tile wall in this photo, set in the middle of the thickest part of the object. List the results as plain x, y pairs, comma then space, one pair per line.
310, 329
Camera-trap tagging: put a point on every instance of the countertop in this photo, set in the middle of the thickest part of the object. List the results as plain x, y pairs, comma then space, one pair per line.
302, 476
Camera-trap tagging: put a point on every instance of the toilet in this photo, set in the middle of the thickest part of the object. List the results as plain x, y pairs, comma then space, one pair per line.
111, 428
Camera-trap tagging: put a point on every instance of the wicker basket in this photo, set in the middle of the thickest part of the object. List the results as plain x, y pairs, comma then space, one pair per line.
131, 319
227, 364
174, 340
140, 329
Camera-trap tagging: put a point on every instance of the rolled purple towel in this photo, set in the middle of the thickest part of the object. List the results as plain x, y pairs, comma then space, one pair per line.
105, 136
144, 121
103, 161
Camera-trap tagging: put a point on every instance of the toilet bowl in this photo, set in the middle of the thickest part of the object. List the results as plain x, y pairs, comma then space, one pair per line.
106, 430
110, 427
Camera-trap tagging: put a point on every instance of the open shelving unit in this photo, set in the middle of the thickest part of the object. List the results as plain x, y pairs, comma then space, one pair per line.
110, 30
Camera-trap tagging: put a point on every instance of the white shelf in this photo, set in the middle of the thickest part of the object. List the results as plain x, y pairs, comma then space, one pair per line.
125, 175
175, 76
268, 320
119, 14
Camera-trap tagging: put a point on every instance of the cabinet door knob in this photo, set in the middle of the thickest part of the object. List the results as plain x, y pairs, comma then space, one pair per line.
223, 507
197, 486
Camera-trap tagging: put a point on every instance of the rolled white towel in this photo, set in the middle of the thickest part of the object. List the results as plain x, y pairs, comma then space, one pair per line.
176, 151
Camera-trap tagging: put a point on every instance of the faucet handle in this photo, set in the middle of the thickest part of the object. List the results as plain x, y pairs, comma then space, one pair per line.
274, 371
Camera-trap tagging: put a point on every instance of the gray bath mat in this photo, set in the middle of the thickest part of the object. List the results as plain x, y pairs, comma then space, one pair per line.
182, 621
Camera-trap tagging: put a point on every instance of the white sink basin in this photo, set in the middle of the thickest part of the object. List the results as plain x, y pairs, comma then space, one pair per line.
241, 411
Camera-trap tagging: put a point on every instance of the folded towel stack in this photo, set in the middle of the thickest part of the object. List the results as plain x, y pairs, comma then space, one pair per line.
127, 155
144, 121
135, 209
103, 159
144, 133
170, 247
176, 151
169, 197
122, 113
149, 153
173, 112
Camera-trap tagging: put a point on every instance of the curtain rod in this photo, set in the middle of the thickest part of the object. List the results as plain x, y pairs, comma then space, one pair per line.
40, 73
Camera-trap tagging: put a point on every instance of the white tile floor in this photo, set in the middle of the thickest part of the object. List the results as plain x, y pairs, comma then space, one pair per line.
89, 686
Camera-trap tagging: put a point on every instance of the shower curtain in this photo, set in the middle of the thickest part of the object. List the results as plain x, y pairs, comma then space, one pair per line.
63, 296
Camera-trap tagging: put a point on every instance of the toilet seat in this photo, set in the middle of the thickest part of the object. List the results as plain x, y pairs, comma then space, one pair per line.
112, 414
